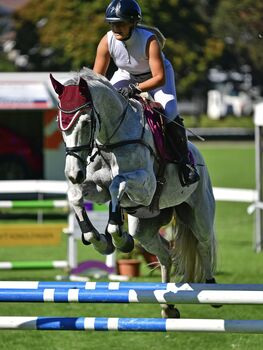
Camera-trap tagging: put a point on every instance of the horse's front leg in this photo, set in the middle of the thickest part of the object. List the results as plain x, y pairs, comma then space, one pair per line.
122, 240
102, 243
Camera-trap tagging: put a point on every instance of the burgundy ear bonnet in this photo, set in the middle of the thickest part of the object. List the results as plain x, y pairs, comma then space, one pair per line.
72, 100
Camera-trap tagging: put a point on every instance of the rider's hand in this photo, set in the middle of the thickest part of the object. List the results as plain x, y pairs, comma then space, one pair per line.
129, 91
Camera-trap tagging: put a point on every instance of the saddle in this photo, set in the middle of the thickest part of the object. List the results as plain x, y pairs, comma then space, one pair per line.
154, 112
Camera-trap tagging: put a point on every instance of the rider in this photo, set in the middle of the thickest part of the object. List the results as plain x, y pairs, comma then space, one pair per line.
137, 52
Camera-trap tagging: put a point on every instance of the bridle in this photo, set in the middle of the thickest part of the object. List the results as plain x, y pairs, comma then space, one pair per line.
73, 151
107, 146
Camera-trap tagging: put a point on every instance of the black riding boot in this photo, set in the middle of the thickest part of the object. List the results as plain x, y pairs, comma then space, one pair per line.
177, 142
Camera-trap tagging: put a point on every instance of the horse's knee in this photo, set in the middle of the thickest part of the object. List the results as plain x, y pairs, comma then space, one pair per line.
117, 188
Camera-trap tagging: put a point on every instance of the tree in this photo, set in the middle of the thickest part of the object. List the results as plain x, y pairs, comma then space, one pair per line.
240, 26
71, 30
191, 49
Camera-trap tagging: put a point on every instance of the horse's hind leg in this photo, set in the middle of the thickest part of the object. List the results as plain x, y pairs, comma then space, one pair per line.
205, 234
201, 223
204, 229
146, 231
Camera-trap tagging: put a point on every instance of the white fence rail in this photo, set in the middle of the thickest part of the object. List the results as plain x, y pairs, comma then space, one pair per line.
60, 187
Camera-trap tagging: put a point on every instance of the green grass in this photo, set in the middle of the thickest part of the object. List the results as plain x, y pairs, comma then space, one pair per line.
230, 165
229, 121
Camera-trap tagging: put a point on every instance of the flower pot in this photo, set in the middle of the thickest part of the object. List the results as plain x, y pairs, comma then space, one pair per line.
129, 267
150, 259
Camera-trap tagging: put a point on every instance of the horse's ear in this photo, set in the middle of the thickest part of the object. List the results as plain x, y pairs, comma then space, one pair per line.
83, 87
58, 87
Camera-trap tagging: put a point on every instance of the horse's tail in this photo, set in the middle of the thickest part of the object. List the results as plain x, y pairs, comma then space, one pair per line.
192, 261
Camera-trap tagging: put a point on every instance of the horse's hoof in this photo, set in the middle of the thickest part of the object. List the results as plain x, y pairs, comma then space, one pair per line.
104, 245
211, 281
171, 313
110, 247
84, 241
128, 244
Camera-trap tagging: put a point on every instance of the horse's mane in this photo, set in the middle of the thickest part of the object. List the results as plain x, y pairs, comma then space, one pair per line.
94, 81
91, 78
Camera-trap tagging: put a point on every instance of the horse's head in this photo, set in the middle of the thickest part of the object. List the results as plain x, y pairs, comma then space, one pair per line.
78, 122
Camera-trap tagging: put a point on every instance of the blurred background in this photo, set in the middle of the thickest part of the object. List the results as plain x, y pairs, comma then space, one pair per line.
215, 47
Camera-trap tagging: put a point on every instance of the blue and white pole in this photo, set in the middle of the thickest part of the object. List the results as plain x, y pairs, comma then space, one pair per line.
130, 324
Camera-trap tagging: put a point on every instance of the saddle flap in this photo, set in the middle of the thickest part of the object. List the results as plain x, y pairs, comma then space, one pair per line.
153, 112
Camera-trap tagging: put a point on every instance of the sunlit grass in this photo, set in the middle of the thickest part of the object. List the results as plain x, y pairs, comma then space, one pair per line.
230, 165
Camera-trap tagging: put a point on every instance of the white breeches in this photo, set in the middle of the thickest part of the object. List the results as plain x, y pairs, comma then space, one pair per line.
165, 95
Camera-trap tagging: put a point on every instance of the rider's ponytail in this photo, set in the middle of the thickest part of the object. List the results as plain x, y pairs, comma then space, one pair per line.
159, 35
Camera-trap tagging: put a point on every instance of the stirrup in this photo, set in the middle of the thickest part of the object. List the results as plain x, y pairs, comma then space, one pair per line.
188, 175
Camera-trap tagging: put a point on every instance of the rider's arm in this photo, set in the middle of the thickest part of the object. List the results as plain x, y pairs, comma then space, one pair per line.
156, 65
102, 59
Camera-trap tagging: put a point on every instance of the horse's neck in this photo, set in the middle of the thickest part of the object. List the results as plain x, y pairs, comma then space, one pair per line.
117, 120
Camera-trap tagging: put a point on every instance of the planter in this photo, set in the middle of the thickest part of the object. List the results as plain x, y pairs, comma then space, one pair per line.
129, 267
150, 259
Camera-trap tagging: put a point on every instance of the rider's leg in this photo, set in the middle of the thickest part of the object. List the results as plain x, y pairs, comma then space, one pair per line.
120, 79
176, 139
175, 132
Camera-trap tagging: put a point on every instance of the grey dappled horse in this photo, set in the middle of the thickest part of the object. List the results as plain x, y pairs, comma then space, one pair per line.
111, 156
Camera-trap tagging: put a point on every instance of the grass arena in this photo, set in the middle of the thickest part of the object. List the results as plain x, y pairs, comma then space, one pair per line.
231, 165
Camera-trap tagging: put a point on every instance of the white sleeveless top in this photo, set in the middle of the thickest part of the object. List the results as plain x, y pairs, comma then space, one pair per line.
130, 55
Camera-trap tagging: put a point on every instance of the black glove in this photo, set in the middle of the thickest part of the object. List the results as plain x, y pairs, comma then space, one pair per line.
129, 91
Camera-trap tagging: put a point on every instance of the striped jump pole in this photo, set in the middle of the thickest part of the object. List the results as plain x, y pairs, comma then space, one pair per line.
34, 204
62, 295
130, 324
146, 286
23, 265
49, 204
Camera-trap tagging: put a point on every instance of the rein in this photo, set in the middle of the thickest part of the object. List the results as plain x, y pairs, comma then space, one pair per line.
110, 146
122, 117
106, 147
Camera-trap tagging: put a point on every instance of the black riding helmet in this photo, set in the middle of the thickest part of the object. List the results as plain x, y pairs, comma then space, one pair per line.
123, 11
